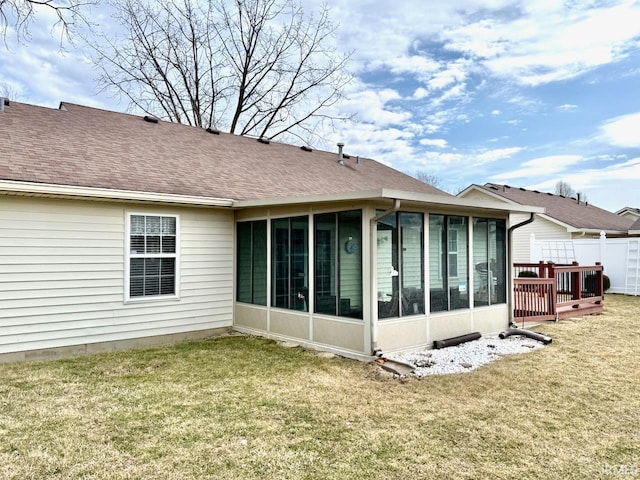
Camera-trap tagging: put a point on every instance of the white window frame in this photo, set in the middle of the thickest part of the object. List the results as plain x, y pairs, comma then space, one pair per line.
127, 259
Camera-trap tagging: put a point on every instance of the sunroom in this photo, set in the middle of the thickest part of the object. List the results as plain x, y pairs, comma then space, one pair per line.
378, 271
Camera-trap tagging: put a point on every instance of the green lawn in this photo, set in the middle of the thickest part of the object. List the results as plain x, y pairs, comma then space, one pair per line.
242, 408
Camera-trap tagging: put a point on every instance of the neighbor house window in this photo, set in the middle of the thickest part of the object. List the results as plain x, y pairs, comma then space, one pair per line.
152, 259
251, 247
290, 263
489, 261
448, 269
453, 253
400, 268
338, 263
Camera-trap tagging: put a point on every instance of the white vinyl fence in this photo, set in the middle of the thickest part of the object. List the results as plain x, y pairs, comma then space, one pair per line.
620, 258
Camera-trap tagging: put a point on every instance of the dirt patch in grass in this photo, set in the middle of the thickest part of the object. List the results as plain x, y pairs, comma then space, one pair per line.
242, 407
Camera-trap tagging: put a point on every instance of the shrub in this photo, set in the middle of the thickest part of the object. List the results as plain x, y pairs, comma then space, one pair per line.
528, 274
590, 283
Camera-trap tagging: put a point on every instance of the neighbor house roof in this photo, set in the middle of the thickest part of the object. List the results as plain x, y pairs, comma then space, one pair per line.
88, 147
574, 213
631, 210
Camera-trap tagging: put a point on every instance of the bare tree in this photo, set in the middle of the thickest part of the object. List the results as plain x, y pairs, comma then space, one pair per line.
18, 14
563, 188
8, 91
251, 67
428, 178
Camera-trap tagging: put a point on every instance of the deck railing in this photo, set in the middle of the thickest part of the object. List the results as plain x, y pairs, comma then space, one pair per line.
559, 291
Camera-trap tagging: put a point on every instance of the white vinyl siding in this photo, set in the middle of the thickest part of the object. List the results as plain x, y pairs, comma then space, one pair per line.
543, 230
62, 278
482, 198
630, 216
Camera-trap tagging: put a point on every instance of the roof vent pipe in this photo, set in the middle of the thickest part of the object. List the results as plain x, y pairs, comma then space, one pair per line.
340, 154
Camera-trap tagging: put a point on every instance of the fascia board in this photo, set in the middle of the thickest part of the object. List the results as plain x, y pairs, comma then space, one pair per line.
388, 194
74, 191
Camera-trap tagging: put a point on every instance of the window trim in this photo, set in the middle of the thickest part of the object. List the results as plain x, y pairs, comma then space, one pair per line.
127, 259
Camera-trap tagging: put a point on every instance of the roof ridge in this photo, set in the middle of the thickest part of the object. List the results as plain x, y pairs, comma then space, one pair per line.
250, 137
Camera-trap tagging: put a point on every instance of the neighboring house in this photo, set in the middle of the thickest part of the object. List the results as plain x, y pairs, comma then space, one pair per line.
629, 212
633, 214
563, 219
117, 231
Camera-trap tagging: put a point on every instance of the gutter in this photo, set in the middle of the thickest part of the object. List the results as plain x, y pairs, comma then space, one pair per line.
373, 248
15, 187
509, 263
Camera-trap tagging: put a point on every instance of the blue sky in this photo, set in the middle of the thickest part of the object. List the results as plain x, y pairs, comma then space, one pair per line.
522, 93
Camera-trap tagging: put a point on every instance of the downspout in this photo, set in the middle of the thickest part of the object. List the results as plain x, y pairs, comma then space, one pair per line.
509, 265
374, 282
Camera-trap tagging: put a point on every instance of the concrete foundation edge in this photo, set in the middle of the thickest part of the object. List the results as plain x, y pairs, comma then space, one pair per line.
111, 346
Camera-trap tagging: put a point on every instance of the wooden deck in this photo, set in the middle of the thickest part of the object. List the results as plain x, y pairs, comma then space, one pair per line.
559, 292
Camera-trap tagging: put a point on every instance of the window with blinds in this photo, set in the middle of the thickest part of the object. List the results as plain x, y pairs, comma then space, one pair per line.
152, 255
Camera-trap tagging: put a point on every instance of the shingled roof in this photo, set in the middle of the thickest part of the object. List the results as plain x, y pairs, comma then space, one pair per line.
88, 147
570, 211
631, 210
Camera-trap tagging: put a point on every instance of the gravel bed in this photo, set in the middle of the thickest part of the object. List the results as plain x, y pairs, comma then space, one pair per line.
466, 356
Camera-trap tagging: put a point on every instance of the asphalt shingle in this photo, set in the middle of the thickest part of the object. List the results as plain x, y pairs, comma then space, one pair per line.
88, 147
578, 214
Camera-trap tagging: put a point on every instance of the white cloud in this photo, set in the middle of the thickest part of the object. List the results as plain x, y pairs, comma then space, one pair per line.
46, 69
440, 161
389, 145
549, 41
453, 73
495, 112
421, 67
489, 156
456, 92
599, 183
420, 93
434, 142
622, 131
567, 107
539, 167
371, 106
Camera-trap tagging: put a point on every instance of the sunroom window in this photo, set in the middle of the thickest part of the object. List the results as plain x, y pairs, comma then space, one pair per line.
338, 263
489, 261
152, 255
290, 263
400, 268
251, 284
448, 268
